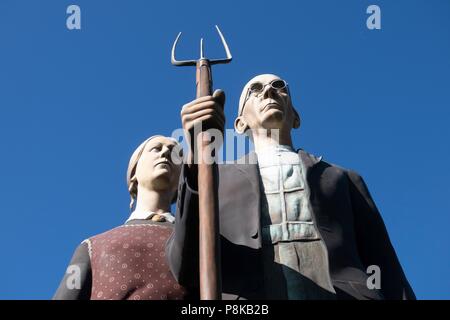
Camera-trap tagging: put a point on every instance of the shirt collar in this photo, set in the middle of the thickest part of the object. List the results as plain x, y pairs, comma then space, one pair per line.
144, 215
270, 149
275, 155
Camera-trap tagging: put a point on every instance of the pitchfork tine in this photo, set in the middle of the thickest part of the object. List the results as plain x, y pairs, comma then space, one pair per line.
183, 62
225, 45
202, 55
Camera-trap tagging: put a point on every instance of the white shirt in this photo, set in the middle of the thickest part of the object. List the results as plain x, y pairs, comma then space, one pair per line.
286, 213
288, 230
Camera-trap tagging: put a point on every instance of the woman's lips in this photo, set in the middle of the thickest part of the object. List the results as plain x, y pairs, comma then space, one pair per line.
165, 163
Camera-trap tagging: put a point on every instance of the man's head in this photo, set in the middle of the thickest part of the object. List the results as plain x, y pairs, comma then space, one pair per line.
153, 166
265, 103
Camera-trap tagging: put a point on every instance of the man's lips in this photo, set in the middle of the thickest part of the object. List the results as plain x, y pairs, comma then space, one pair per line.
272, 105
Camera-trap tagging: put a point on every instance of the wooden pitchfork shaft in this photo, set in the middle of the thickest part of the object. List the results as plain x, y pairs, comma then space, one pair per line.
209, 233
209, 230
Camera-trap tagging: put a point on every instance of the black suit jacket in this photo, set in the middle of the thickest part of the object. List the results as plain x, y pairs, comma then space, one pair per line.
343, 210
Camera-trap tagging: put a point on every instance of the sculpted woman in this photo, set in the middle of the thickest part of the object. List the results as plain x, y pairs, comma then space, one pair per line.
129, 261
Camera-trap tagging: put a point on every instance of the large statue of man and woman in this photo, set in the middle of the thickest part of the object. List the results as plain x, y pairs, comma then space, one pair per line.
292, 225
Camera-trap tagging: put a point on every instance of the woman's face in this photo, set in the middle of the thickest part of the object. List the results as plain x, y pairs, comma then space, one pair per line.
158, 167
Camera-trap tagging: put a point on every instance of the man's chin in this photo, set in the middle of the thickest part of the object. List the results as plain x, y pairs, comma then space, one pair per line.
273, 119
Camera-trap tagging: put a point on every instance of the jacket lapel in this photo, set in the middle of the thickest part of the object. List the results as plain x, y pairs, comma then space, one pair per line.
247, 168
308, 159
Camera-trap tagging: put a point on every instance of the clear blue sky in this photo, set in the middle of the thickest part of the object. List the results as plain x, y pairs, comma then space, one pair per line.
75, 104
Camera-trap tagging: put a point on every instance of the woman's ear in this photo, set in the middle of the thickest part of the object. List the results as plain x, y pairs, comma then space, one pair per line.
240, 125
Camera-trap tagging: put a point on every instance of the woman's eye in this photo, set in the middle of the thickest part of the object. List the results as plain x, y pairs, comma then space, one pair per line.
155, 149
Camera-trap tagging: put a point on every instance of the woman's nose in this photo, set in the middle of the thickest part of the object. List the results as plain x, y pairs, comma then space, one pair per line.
165, 152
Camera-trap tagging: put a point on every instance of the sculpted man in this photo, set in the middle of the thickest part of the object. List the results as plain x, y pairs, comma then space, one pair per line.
292, 225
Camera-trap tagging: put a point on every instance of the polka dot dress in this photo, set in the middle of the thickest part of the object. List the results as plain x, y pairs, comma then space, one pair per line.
129, 263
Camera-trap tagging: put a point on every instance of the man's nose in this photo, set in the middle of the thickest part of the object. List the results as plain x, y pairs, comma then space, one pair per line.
269, 92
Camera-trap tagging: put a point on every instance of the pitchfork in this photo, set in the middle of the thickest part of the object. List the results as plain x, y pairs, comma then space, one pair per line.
209, 231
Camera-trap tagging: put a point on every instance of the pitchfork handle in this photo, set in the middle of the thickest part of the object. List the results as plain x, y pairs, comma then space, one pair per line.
209, 241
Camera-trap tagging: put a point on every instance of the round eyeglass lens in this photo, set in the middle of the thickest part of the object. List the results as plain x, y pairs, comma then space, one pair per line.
256, 87
278, 84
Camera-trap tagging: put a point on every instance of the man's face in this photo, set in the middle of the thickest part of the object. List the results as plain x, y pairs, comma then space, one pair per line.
269, 106
156, 169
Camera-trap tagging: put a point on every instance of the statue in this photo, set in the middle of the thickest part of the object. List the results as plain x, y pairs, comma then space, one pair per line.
129, 262
292, 225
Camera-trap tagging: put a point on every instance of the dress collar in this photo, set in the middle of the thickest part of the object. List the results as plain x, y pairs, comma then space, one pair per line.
145, 215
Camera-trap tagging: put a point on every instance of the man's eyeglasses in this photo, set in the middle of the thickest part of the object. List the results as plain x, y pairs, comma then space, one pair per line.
257, 88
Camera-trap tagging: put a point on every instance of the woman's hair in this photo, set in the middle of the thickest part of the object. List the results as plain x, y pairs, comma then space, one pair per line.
131, 178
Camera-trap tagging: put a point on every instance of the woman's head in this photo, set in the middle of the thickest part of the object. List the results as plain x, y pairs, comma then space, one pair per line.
155, 165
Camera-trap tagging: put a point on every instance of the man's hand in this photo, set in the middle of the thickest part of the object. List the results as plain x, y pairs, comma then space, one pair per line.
205, 113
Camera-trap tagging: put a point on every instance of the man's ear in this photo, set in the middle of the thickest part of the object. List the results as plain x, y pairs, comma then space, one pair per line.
297, 120
240, 125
